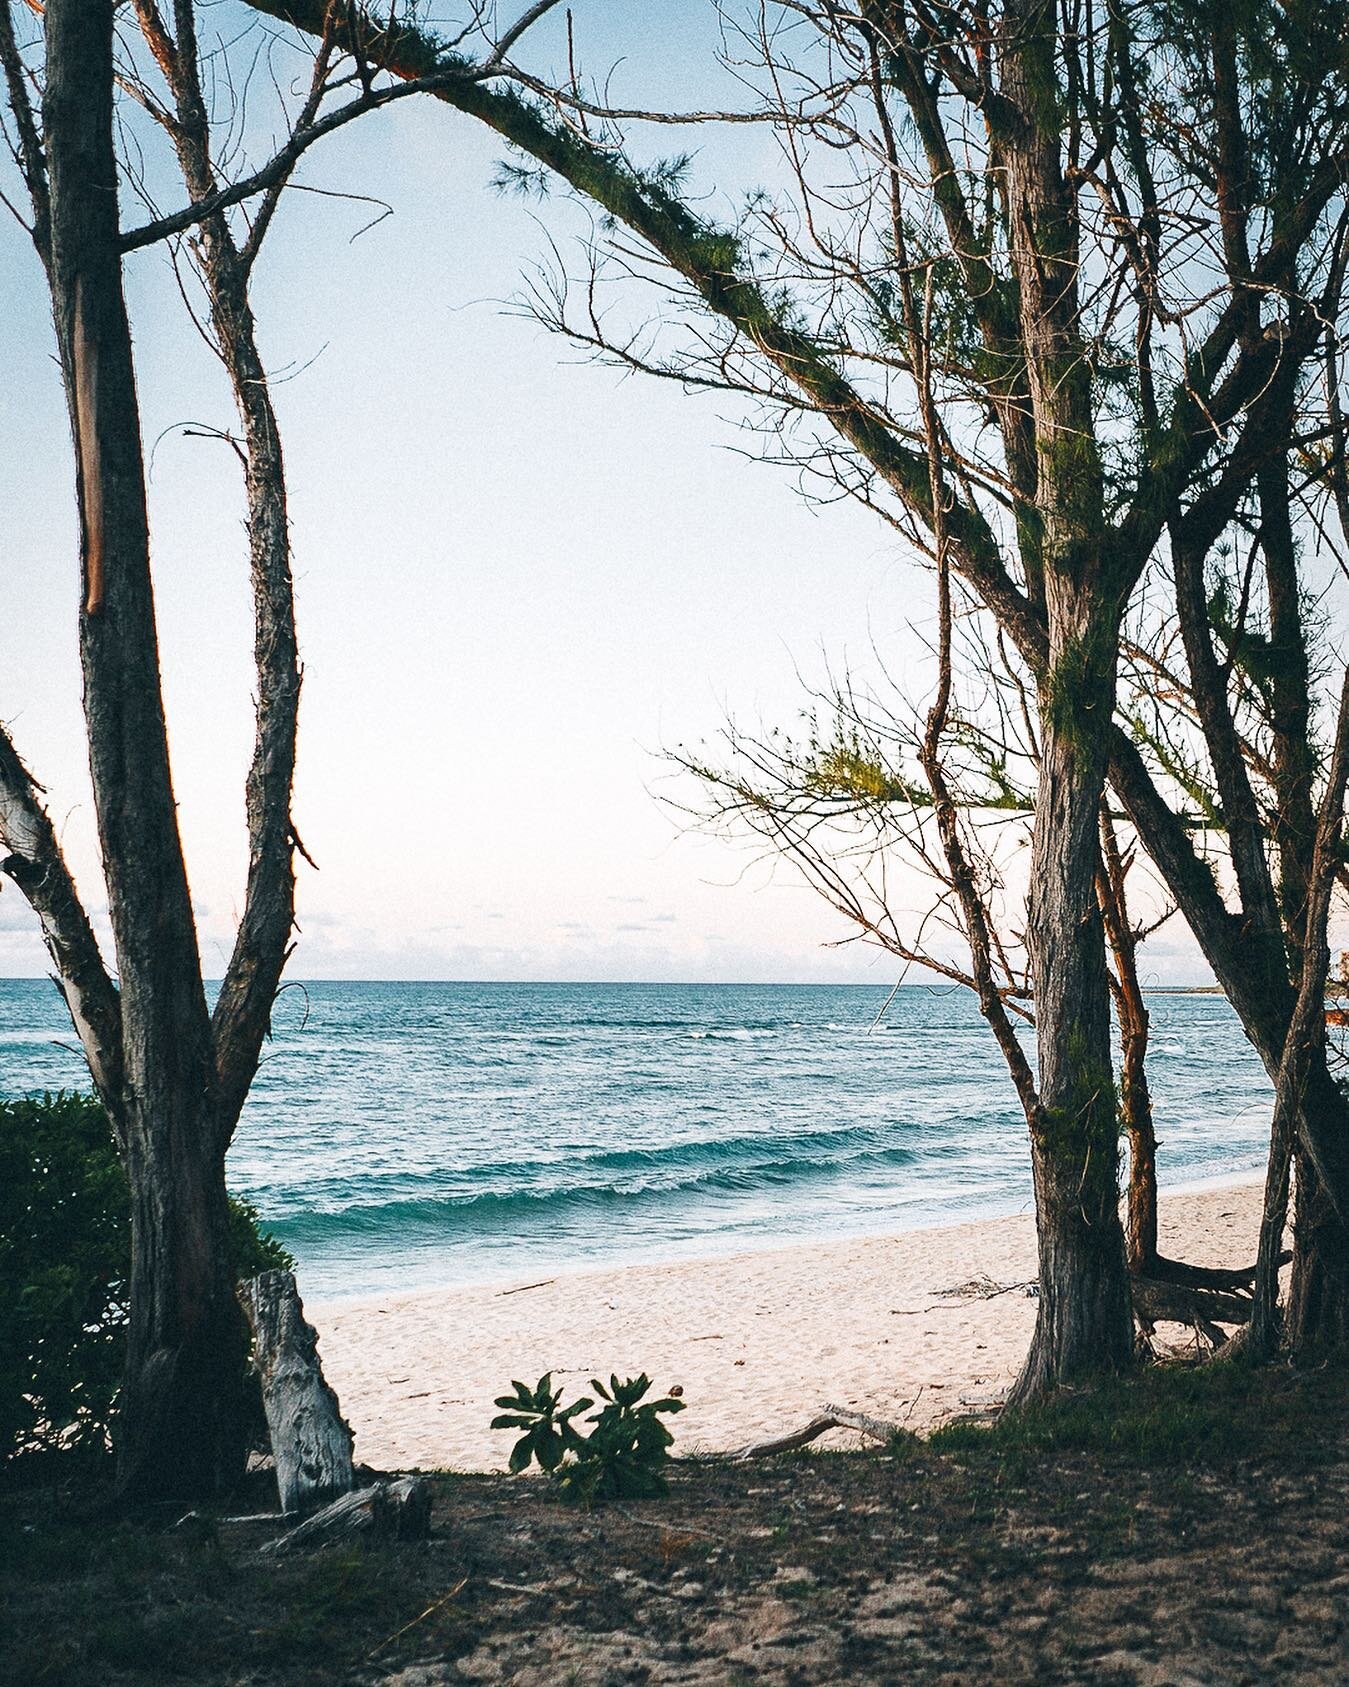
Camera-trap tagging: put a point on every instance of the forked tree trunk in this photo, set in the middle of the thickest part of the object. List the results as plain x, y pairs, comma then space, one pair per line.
181, 1423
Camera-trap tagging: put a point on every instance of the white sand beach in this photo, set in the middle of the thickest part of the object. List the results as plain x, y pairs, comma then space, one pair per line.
758, 1341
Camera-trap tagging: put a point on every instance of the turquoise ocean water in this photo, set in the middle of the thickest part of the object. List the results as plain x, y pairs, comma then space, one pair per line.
402, 1135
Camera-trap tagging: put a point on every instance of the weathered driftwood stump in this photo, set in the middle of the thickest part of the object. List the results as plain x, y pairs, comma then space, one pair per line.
398, 1510
311, 1440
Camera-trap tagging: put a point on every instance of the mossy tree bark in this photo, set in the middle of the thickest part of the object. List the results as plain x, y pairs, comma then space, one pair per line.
1084, 1322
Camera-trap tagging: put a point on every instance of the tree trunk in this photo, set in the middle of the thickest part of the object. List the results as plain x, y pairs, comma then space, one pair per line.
1316, 1323
183, 1419
242, 1016
1084, 1322
1140, 1233
181, 1428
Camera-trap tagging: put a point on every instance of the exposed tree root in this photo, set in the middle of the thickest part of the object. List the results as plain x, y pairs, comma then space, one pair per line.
1205, 1276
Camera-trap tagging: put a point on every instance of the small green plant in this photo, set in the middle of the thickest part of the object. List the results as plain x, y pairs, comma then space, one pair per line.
621, 1458
548, 1433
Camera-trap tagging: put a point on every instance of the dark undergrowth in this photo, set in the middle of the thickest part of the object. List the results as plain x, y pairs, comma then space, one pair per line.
1165, 1414
1183, 1525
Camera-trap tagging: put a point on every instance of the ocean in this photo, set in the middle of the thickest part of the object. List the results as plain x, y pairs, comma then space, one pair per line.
407, 1135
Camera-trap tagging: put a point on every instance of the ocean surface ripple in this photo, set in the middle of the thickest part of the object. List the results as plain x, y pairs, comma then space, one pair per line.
401, 1135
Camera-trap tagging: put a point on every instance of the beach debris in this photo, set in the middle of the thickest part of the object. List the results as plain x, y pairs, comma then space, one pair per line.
980, 1287
665, 1529
311, 1441
983, 1287
397, 1510
830, 1417
524, 1288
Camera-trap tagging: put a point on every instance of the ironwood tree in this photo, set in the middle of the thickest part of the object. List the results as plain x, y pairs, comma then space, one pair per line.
851, 803
1065, 186
172, 1074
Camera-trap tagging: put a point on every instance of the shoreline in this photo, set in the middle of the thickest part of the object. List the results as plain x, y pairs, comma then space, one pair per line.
321, 1305
758, 1340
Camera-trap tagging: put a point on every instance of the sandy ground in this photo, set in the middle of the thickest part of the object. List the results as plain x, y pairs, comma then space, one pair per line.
757, 1341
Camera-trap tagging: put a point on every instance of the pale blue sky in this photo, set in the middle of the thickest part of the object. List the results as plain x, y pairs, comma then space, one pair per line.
518, 577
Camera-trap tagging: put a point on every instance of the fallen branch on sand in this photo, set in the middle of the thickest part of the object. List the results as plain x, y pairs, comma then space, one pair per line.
831, 1417
524, 1288
1162, 1302
982, 1287
1164, 1270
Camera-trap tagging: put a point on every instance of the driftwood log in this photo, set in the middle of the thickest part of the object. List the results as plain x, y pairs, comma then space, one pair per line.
831, 1417
398, 1510
311, 1441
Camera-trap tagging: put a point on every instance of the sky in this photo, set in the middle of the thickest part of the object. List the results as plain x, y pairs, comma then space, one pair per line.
521, 578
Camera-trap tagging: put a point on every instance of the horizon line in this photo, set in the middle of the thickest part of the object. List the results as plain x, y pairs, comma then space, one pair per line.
1208, 985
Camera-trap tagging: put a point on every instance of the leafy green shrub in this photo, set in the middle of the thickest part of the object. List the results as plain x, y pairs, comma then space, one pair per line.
621, 1458
65, 1252
549, 1434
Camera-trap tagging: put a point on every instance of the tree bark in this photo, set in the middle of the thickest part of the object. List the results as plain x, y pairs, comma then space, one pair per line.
1316, 1320
242, 1015
1084, 1323
1140, 1230
1258, 987
182, 1421
37, 866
